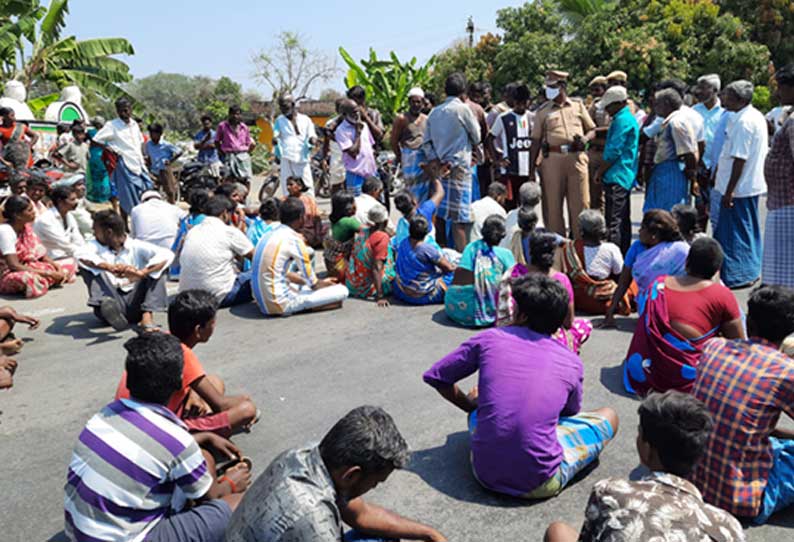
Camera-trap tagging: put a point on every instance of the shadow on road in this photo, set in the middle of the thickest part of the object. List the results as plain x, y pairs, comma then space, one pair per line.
612, 379
82, 326
441, 318
784, 518
447, 469
625, 324
249, 311
60, 537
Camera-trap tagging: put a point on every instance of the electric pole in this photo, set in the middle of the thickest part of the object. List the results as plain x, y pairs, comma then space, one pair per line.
470, 31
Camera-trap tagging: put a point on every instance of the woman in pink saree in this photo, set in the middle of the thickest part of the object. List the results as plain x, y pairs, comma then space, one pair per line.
25, 267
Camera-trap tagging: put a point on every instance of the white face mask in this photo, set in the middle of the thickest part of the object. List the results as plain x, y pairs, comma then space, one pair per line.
552, 93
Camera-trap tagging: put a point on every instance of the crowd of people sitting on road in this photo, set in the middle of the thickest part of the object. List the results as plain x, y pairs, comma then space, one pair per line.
157, 462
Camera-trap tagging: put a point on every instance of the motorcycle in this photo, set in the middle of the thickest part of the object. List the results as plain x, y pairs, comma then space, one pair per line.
197, 174
389, 172
322, 178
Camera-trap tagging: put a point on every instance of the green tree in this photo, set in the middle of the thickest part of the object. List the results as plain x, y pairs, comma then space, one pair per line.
222, 94
770, 22
477, 63
656, 39
33, 51
575, 11
386, 82
178, 101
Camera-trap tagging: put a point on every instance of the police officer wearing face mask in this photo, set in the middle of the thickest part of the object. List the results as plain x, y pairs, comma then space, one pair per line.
561, 130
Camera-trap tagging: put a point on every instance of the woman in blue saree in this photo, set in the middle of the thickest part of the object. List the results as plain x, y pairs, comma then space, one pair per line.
423, 271
472, 298
659, 251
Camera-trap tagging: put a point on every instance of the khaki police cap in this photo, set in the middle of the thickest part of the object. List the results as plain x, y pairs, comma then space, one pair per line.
618, 75
552, 76
598, 80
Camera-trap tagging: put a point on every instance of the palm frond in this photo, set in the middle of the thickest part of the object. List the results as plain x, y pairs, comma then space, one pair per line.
54, 20
97, 84
99, 47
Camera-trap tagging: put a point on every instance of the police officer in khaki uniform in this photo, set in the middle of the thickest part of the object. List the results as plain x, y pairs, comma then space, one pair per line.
618, 77
596, 149
561, 131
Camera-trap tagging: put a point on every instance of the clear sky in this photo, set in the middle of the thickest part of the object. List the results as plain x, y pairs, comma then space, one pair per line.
219, 37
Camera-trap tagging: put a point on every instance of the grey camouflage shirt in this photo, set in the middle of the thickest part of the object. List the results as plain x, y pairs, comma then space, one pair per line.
292, 501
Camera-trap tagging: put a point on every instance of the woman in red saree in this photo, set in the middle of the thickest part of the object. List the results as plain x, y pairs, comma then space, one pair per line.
678, 315
25, 267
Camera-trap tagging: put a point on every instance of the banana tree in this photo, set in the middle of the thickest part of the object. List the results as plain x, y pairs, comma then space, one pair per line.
575, 11
386, 82
33, 51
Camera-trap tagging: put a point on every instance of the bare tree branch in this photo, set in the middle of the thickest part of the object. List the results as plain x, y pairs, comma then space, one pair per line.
290, 66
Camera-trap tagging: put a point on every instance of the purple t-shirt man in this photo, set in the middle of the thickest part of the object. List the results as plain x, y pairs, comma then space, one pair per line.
364, 164
526, 382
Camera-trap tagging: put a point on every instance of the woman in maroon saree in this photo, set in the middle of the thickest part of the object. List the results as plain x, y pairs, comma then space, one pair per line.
677, 316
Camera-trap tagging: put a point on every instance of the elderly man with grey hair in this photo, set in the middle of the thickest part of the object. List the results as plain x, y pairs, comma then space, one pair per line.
676, 144
710, 108
739, 183
306, 493
529, 195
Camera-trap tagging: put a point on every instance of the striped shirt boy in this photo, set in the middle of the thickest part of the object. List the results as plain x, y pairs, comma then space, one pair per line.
274, 258
132, 464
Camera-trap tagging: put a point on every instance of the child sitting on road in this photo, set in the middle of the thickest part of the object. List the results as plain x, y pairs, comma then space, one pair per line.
314, 230
201, 402
407, 204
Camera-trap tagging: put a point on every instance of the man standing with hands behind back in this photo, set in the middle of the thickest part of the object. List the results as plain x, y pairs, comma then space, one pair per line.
451, 132
559, 129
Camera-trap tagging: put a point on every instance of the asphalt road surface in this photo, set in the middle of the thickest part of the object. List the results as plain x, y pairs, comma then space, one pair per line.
304, 372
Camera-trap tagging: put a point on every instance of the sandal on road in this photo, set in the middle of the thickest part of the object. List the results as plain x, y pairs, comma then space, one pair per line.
222, 467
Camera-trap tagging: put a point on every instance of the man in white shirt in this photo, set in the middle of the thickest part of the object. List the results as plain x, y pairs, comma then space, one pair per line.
211, 253
371, 192
57, 227
739, 183
295, 135
124, 276
123, 137
492, 204
285, 282
156, 221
